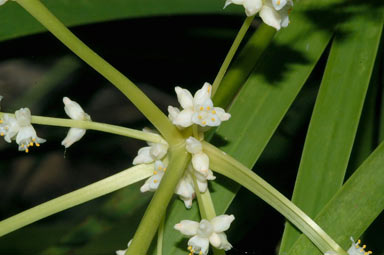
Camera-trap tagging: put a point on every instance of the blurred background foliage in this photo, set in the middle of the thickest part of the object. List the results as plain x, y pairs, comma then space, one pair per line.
159, 44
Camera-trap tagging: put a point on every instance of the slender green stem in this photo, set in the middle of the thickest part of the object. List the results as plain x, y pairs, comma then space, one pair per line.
231, 168
243, 65
97, 189
160, 237
235, 45
138, 98
178, 159
117, 130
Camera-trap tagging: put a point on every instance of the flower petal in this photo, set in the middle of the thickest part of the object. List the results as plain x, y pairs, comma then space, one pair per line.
252, 6
193, 145
187, 227
173, 112
184, 118
158, 150
270, 16
215, 240
203, 95
143, 156
200, 162
224, 244
74, 110
221, 223
199, 244
184, 97
279, 4
74, 135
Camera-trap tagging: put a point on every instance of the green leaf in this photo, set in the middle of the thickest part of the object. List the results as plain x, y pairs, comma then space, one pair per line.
335, 118
16, 22
269, 91
353, 208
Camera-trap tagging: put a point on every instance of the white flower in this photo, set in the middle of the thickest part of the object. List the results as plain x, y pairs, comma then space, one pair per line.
75, 112
206, 232
197, 109
355, 249
21, 128
2, 2
273, 12
151, 153
200, 160
185, 189
152, 183
122, 252
8, 127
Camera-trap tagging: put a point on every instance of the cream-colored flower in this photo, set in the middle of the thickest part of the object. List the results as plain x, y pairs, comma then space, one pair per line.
122, 252
273, 12
152, 183
75, 112
2, 2
205, 232
20, 128
151, 153
200, 160
197, 109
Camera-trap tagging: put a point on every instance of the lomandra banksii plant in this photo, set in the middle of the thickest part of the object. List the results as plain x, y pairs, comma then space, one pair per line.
244, 106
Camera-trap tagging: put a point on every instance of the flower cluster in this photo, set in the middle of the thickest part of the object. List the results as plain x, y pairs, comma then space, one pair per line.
197, 109
273, 12
75, 112
206, 232
20, 129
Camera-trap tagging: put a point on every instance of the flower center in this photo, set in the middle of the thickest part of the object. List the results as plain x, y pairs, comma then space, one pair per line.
205, 229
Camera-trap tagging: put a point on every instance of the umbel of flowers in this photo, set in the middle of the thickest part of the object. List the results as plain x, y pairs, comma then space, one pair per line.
273, 12
196, 110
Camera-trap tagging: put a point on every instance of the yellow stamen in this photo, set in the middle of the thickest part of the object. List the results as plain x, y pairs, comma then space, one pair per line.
26, 150
2, 133
159, 168
31, 144
154, 172
22, 145
33, 139
1, 121
209, 88
200, 117
364, 246
213, 112
37, 144
278, 2
204, 122
201, 108
189, 248
213, 119
201, 253
208, 108
155, 181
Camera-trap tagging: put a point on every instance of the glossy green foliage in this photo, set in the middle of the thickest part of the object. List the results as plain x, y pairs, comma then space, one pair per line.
336, 115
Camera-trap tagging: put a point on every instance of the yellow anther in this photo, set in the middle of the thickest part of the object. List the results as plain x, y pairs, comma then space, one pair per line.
213, 119
1, 121
37, 144
204, 122
201, 253
159, 168
278, 2
31, 144
165, 169
26, 150
22, 145
154, 172
2, 133
201, 108
33, 139
154, 181
209, 88
369, 252
213, 112
364, 246
208, 108
189, 248
200, 117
